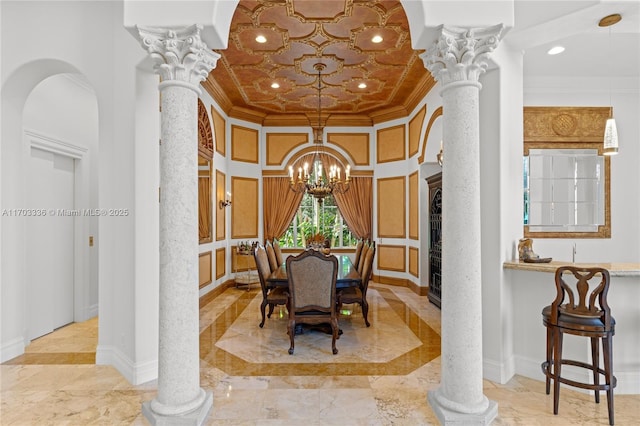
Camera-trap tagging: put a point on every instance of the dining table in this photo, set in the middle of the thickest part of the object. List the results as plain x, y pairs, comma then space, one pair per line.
348, 275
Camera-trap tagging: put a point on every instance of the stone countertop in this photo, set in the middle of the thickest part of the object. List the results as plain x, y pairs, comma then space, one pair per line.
616, 269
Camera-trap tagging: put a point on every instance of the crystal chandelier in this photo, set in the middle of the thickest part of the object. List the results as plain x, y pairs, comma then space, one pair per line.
314, 182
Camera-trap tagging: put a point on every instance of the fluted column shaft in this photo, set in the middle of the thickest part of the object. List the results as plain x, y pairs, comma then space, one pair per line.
456, 61
182, 60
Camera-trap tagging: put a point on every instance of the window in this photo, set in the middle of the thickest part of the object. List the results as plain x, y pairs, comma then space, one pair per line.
315, 218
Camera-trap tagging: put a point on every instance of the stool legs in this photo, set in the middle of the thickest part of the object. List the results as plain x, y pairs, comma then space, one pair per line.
549, 357
608, 374
557, 368
553, 366
595, 357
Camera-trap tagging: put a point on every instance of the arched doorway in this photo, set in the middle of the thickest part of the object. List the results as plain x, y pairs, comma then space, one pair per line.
50, 153
60, 128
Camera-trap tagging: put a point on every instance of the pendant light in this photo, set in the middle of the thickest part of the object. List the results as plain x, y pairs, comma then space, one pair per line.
610, 131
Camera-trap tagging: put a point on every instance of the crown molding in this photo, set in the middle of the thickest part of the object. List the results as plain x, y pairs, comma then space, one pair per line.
217, 93
420, 92
389, 114
246, 114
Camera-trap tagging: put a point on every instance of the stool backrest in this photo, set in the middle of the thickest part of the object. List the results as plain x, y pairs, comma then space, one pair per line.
586, 290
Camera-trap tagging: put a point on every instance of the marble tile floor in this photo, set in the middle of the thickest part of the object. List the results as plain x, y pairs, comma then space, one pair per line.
380, 376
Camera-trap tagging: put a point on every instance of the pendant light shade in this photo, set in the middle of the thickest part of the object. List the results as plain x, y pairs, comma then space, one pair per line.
610, 137
610, 146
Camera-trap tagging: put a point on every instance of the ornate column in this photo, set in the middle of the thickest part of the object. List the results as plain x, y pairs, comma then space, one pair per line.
456, 61
183, 61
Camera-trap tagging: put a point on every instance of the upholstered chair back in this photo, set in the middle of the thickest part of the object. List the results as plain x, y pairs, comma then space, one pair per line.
271, 255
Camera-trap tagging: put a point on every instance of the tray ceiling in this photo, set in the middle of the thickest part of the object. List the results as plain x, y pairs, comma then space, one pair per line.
302, 33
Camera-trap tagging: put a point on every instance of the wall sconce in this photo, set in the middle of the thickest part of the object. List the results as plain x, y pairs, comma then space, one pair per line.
226, 202
440, 155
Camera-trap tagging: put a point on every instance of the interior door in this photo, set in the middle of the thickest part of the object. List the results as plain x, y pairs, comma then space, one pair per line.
49, 241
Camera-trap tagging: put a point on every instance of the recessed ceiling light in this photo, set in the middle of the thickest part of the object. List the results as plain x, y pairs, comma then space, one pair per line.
362, 86
376, 39
275, 85
555, 50
261, 39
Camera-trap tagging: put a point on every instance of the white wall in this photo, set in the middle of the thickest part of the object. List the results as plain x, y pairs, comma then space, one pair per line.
44, 39
501, 212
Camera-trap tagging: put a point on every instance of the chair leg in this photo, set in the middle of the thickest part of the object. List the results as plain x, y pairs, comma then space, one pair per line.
365, 312
271, 306
291, 331
557, 368
607, 352
334, 335
595, 358
263, 305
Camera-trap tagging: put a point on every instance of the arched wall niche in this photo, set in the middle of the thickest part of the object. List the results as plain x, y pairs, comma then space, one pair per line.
434, 116
306, 154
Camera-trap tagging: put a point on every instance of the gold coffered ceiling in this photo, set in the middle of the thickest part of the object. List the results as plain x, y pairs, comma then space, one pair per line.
302, 33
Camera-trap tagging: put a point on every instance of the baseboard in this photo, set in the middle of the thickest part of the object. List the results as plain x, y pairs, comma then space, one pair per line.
12, 349
498, 372
92, 311
401, 282
628, 381
136, 374
215, 292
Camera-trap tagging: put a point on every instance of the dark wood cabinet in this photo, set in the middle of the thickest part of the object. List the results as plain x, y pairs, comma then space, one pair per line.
435, 239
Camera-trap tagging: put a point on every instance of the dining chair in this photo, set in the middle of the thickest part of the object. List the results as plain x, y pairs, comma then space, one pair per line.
365, 248
356, 259
271, 255
358, 294
312, 293
277, 251
271, 296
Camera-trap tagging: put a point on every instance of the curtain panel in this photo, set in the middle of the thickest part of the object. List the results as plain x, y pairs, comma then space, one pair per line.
204, 207
356, 206
280, 205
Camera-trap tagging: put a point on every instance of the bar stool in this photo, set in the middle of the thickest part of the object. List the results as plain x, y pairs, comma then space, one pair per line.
586, 313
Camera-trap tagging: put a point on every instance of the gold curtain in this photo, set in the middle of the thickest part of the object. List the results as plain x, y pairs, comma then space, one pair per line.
280, 205
356, 206
204, 207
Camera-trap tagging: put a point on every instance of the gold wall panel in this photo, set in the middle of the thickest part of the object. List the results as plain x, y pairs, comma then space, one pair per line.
221, 261
415, 125
391, 258
220, 131
391, 207
221, 214
355, 144
390, 144
244, 144
414, 262
279, 145
414, 223
244, 209
204, 269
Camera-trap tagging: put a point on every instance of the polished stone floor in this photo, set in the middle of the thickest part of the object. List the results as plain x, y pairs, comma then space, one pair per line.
380, 376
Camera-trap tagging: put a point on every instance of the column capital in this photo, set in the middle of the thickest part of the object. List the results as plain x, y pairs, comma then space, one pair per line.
180, 55
460, 55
